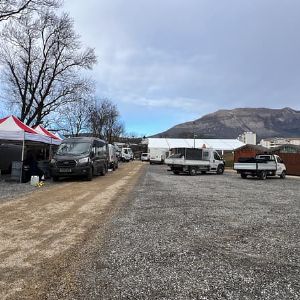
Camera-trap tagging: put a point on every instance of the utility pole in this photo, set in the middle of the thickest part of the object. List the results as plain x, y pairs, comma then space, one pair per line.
194, 135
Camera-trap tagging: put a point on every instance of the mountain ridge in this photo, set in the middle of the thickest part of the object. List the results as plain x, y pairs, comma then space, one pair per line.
229, 123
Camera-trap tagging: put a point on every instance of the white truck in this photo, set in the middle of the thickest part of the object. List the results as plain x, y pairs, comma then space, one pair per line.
261, 166
126, 154
194, 160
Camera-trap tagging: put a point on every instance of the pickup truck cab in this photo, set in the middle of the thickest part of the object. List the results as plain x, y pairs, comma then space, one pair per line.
261, 166
126, 154
193, 161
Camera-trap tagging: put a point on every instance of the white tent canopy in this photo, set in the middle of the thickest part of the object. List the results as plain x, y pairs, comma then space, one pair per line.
217, 144
55, 139
12, 129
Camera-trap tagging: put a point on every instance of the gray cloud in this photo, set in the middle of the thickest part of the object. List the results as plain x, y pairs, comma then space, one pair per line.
206, 55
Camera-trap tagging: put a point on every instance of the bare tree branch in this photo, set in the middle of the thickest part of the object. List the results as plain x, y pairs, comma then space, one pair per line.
42, 65
16, 8
104, 121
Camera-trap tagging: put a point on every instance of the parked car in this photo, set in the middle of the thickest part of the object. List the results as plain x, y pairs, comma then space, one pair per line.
112, 157
145, 157
81, 156
193, 161
261, 166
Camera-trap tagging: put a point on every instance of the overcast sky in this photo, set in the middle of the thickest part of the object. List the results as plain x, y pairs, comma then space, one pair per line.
168, 61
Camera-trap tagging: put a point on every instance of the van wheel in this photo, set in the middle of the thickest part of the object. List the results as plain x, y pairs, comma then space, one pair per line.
55, 178
103, 171
244, 176
263, 175
176, 172
193, 171
89, 176
283, 174
203, 172
220, 169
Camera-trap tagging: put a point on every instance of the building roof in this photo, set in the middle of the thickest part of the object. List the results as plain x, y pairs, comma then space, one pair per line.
217, 144
296, 148
254, 147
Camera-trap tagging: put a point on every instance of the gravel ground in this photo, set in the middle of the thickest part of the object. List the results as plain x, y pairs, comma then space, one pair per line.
202, 237
10, 190
42, 232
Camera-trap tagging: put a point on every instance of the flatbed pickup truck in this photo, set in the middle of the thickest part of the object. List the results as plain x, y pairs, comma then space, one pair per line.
192, 161
261, 166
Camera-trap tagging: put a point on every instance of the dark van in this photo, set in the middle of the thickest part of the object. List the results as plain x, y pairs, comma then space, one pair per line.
80, 156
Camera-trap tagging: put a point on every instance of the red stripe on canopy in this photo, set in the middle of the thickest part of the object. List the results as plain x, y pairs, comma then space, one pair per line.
3, 119
23, 126
46, 132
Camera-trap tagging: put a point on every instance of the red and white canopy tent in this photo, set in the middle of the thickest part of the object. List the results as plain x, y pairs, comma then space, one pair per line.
12, 129
55, 140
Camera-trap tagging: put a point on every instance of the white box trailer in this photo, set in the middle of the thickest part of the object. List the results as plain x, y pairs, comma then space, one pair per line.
112, 157
193, 161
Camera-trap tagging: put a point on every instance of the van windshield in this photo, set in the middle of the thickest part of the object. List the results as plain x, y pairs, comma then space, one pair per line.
73, 148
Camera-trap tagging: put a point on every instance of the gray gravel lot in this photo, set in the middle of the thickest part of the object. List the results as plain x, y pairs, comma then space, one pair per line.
201, 237
10, 190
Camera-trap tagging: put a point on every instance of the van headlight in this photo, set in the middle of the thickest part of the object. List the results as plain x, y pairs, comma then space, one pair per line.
53, 161
84, 160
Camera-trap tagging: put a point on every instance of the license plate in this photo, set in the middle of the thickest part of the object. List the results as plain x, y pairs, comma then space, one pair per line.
65, 170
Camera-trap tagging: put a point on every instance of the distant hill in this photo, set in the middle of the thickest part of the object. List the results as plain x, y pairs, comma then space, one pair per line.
230, 123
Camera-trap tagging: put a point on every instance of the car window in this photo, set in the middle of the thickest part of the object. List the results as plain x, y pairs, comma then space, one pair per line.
205, 155
217, 156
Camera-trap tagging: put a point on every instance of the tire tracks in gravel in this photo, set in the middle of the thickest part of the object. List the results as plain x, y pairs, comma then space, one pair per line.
41, 233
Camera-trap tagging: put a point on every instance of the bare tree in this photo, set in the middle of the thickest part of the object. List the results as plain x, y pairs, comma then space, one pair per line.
42, 63
17, 8
104, 121
74, 117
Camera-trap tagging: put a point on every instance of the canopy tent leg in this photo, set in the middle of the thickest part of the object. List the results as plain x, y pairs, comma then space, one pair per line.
22, 158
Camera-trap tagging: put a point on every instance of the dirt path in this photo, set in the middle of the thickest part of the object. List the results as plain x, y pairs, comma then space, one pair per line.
40, 231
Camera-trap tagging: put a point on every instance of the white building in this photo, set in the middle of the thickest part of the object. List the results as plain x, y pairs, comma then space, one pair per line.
276, 142
248, 137
162, 146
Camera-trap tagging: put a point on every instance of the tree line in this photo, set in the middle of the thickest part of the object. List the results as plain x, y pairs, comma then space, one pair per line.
43, 66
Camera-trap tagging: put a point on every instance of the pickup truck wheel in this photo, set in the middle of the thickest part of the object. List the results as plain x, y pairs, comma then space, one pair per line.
193, 171
220, 170
203, 172
263, 175
283, 174
176, 172
244, 176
